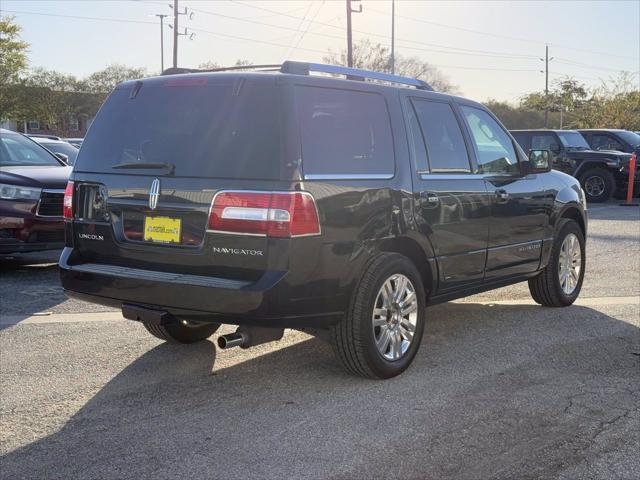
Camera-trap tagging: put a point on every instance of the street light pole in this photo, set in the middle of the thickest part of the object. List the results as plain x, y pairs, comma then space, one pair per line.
176, 14
393, 36
162, 17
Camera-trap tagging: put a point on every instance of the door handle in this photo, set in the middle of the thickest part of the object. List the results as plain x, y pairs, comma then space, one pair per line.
502, 195
431, 199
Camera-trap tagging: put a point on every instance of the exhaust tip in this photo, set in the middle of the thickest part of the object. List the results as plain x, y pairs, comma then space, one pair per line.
231, 340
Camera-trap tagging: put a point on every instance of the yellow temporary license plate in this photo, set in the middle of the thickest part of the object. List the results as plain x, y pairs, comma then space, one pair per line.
162, 229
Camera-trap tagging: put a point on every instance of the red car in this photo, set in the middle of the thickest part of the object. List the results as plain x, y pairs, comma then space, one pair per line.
32, 183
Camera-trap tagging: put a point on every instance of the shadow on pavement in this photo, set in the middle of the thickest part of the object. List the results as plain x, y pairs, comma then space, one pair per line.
29, 283
495, 392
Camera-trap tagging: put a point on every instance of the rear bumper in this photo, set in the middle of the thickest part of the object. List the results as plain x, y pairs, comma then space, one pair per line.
191, 297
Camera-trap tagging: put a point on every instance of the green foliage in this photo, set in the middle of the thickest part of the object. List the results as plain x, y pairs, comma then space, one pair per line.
370, 56
105, 80
13, 62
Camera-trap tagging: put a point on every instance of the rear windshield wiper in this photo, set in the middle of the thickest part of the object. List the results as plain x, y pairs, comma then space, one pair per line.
147, 165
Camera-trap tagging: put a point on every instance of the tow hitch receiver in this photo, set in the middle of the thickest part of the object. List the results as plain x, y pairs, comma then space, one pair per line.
247, 336
147, 315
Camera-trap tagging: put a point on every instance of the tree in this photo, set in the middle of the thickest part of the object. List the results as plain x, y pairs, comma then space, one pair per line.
13, 62
103, 81
210, 65
376, 57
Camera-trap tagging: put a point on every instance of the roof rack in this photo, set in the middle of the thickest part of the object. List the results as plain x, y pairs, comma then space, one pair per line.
179, 70
301, 68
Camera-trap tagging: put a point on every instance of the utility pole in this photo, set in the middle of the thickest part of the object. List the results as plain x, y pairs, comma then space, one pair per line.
349, 46
162, 17
546, 61
176, 34
393, 36
176, 14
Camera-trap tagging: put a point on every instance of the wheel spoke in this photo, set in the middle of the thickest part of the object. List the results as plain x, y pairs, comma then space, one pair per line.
383, 341
388, 293
406, 333
407, 325
409, 309
379, 322
401, 284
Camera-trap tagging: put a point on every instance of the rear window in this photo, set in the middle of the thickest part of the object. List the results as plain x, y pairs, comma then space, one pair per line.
16, 150
344, 133
205, 129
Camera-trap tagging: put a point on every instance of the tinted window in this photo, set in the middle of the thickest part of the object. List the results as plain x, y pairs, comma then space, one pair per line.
205, 129
494, 148
446, 149
68, 149
344, 132
417, 142
522, 139
18, 150
544, 141
600, 141
573, 140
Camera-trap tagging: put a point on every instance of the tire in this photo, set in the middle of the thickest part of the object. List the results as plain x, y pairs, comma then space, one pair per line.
354, 338
547, 288
181, 332
598, 184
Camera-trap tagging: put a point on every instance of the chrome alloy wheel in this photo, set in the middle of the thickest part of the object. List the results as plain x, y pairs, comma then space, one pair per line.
594, 186
395, 317
569, 264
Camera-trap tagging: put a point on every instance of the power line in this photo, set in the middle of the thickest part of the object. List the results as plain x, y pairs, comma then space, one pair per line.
306, 30
496, 35
80, 17
585, 65
373, 34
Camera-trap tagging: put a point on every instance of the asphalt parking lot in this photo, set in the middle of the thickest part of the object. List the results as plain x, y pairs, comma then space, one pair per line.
501, 388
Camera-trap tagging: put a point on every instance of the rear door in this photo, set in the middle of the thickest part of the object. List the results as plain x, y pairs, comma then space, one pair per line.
155, 157
519, 205
452, 206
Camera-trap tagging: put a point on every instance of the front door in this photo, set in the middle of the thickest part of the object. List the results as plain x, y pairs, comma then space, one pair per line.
519, 204
452, 205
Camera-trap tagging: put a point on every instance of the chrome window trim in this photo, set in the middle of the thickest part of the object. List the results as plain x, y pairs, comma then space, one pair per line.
354, 176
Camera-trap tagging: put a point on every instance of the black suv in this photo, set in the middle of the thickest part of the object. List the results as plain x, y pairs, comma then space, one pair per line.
339, 207
612, 139
601, 173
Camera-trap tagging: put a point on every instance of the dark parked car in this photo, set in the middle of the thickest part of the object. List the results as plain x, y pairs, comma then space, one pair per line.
612, 139
32, 183
334, 206
61, 149
601, 173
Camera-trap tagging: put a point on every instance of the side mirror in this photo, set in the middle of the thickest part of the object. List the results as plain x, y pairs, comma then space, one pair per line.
62, 156
539, 161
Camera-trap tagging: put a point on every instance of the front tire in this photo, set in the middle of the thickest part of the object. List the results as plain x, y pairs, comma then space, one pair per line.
559, 284
598, 184
182, 331
381, 332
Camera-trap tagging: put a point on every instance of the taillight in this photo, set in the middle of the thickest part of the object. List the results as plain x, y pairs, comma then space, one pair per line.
274, 214
67, 205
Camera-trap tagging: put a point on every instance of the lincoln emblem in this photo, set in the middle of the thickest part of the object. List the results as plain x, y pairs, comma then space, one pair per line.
154, 193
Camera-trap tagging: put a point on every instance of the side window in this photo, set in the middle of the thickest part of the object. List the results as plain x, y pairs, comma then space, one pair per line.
446, 150
545, 141
523, 140
417, 141
494, 148
344, 132
605, 142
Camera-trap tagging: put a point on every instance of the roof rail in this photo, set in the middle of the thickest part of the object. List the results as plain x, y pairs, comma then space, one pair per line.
179, 70
302, 68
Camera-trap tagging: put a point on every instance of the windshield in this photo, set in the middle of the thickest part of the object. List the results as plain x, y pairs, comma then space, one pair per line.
205, 127
66, 148
573, 140
16, 150
631, 138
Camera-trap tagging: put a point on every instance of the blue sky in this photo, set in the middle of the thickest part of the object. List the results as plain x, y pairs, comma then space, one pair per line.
489, 49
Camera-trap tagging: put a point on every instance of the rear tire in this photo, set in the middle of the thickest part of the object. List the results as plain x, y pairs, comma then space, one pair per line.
380, 334
598, 184
547, 288
179, 332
